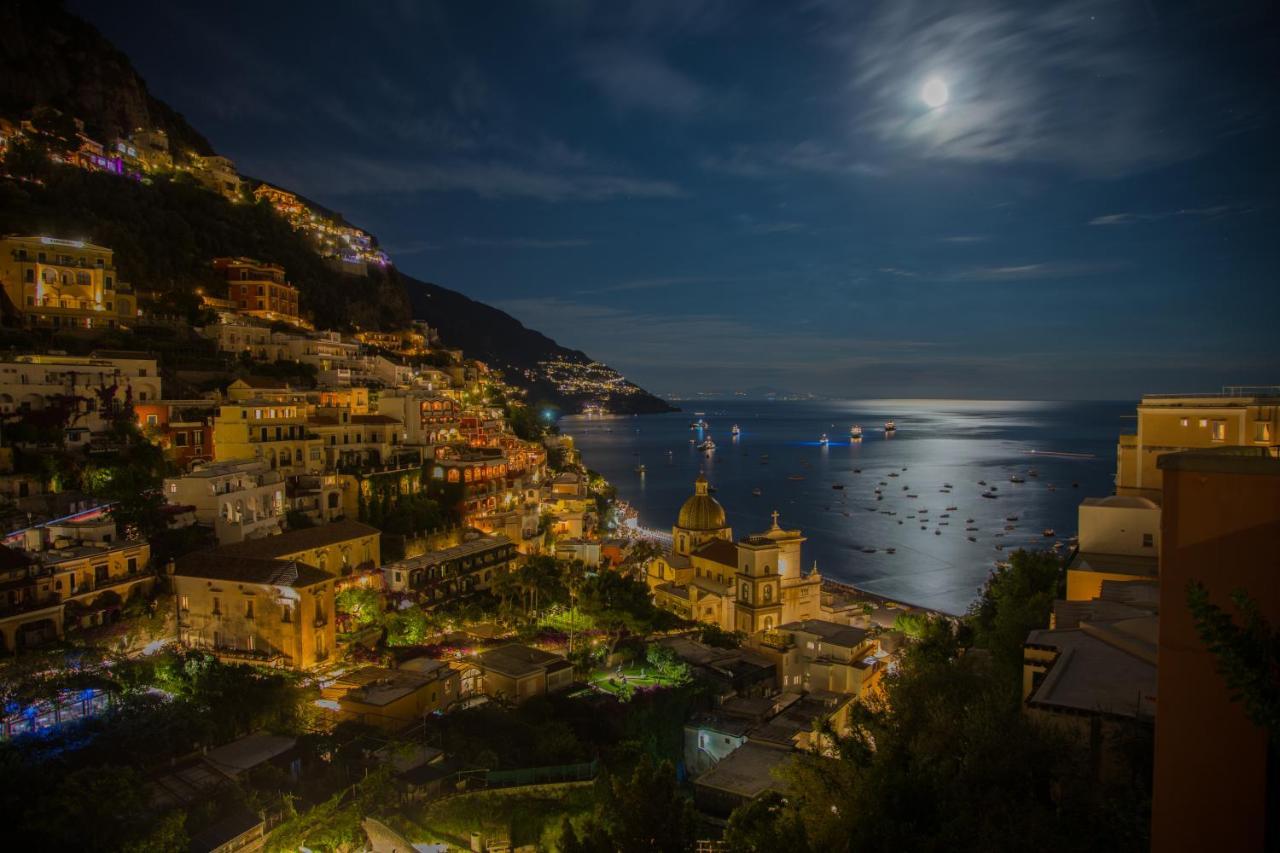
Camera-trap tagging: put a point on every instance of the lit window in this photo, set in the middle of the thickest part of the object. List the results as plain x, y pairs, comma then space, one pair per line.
1185, 421
1219, 431
1204, 422
1262, 431
1148, 540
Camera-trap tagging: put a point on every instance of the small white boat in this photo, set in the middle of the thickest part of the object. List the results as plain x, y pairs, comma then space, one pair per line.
640, 468
890, 426
856, 432
757, 491
824, 441
735, 430
1048, 531
1016, 479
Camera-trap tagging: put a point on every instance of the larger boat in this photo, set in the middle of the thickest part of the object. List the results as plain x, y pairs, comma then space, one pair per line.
890, 426
824, 441
856, 431
707, 445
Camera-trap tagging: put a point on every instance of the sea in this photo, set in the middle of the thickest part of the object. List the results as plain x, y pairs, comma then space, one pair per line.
929, 474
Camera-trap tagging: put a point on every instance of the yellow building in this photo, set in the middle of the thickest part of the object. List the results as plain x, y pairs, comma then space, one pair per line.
63, 284
752, 585
395, 699
337, 549
516, 673
66, 576
1170, 423
262, 610
274, 432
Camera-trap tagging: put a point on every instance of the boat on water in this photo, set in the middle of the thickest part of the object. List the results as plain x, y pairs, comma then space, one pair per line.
1033, 473
1016, 479
707, 445
1048, 531
989, 495
837, 485
982, 482
1010, 518
937, 533
857, 470
891, 550
890, 426
735, 430
893, 473
868, 550
973, 538
824, 441
795, 476
855, 431
952, 508
640, 468
757, 491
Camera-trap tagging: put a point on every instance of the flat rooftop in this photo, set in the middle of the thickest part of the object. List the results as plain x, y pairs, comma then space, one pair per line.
830, 632
518, 661
748, 771
1117, 564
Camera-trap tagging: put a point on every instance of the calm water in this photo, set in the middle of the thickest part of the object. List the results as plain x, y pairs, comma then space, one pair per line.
937, 443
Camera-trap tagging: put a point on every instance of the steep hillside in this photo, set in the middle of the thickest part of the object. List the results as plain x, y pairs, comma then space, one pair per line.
51, 58
164, 235
529, 358
165, 231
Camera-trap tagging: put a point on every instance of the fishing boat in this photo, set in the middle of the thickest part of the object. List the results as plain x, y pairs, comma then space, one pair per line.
707, 445
824, 441
856, 431
735, 430
890, 426
989, 495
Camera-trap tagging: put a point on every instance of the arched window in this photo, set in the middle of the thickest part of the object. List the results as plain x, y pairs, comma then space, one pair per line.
323, 562
768, 593
768, 623
453, 475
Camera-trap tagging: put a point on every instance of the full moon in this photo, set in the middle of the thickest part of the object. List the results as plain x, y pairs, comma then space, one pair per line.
935, 92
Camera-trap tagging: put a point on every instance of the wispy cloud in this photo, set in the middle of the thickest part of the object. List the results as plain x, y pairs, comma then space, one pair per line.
355, 176
650, 283
1005, 272
524, 243
634, 77
1185, 212
1065, 83
963, 239
756, 226
810, 155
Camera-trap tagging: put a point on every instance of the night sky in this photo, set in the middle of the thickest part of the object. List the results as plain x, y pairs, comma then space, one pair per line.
725, 196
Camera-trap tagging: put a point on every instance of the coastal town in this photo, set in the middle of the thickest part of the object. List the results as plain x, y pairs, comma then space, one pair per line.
284, 568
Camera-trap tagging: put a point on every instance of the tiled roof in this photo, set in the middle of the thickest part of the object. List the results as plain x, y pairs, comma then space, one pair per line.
209, 566
719, 551
295, 541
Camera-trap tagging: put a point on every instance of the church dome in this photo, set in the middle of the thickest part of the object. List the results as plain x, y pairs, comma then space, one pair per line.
701, 512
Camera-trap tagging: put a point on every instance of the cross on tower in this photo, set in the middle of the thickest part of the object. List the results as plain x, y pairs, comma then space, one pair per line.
775, 518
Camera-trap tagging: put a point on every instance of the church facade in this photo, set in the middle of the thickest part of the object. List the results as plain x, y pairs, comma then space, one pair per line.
754, 584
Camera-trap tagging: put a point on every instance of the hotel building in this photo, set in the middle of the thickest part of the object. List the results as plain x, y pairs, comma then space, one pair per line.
63, 284
259, 289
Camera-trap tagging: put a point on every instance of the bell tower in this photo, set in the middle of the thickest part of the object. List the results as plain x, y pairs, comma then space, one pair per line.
759, 586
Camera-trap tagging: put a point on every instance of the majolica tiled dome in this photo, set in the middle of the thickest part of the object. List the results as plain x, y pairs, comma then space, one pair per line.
701, 512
